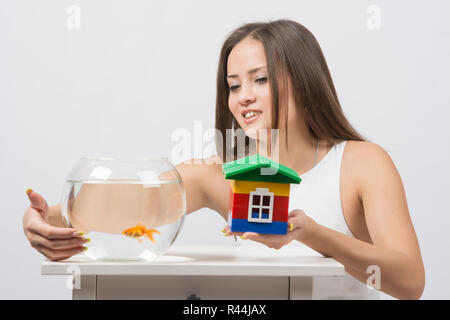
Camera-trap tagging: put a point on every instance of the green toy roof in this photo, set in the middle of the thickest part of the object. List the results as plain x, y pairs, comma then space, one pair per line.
259, 168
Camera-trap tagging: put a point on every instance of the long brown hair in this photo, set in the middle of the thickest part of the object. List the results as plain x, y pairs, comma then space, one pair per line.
291, 51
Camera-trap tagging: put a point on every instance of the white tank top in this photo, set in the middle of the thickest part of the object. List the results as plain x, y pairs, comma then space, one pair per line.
318, 195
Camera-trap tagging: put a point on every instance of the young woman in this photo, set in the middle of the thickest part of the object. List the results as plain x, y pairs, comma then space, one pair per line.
351, 203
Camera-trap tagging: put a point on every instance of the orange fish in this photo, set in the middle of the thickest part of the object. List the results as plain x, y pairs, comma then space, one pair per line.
139, 231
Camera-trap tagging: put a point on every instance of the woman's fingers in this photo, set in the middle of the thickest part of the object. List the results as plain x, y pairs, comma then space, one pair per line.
38, 202
247, 235
51, 232
227, 232
274, 241
253, 236
295, 220
56, 249
56, 255
56, 244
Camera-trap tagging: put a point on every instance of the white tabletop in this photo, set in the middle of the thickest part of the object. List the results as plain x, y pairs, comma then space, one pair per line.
212, 261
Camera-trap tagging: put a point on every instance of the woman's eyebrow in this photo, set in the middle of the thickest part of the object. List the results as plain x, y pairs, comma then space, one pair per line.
249, 72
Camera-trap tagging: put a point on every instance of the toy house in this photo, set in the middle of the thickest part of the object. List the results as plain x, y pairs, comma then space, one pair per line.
259, 194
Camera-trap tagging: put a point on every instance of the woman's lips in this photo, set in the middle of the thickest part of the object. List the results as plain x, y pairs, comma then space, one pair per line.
251, 119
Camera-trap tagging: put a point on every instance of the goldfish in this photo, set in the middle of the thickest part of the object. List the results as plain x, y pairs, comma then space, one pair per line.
139, 231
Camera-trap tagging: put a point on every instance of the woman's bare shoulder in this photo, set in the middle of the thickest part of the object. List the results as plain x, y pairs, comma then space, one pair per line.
361, 148
366, 161
363, 153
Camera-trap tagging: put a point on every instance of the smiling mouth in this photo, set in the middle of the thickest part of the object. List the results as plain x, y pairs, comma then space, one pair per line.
251, 114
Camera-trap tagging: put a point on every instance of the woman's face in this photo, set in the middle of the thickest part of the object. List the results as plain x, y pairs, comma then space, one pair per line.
250, 96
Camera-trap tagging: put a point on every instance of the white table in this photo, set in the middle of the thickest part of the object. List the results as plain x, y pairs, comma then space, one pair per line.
247, 272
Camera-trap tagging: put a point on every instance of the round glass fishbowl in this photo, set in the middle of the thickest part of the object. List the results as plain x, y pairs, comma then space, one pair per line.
130, 209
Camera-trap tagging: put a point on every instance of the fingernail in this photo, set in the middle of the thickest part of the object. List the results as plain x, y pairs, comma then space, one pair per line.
78, 233
292, 226
223, 230
85, 248
28, 191
242, 237
227, 234
87, 240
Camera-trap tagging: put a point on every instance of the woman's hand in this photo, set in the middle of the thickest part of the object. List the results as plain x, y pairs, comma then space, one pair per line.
299, 225
53, 242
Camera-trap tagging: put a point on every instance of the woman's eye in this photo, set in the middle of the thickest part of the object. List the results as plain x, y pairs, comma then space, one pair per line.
233, 88
261, 80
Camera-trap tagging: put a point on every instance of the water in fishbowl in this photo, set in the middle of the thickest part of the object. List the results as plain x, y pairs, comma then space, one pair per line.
125, 219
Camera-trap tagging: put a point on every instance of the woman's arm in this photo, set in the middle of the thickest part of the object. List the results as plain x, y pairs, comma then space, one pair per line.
395, 249
194, 174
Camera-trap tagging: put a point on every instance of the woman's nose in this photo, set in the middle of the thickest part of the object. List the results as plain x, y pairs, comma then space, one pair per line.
246, 96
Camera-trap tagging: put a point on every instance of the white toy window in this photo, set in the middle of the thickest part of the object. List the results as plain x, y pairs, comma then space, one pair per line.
260, 206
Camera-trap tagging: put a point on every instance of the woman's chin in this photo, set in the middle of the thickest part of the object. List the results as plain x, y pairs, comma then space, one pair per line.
258, 133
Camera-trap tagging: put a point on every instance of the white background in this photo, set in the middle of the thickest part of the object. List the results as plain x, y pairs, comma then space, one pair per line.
136, 71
